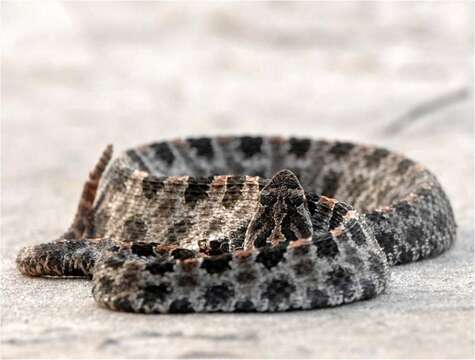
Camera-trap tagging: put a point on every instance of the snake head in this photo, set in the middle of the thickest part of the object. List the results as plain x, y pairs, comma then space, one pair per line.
282, 214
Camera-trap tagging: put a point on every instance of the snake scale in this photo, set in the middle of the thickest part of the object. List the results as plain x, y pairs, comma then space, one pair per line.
247, 223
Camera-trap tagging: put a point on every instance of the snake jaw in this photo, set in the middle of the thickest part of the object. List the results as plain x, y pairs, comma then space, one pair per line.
282, 214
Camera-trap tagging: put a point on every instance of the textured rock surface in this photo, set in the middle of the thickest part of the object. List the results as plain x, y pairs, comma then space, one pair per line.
77, 76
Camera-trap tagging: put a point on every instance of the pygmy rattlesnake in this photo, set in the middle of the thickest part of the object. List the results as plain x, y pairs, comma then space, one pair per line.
194, 225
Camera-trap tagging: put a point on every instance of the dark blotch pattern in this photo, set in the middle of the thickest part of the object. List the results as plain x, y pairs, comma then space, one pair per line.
117, 182
245, 306
403, 166
405, 209
304, 267
138, 162
341, 149
218, 295
271, 256
246, 276
251, 146
234, 185
182, 254
217, 264
312, 200
376, 265
330, 183
339, 277
216, 246
374, 159
406, 256
143, 249
134, 229
152, 293
122, 304
181, 306
151, 185
299, 147
203, 147
384, 227
197, 189
278, 291
339, 211
369, 289
326, 246
163, 152
187, 280
320, 213
356, 232
318, 298
159, 267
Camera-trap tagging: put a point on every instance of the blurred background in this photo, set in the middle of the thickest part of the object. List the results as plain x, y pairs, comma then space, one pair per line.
79, 75
161, 69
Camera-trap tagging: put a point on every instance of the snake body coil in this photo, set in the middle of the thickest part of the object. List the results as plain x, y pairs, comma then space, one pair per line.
247, 224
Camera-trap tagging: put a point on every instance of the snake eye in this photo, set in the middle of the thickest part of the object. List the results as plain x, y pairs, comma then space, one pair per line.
202, 245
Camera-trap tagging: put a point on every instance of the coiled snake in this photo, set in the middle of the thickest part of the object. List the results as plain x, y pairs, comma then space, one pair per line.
237, 224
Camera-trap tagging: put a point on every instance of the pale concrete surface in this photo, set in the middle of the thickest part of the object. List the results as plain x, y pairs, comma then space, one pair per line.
76, 76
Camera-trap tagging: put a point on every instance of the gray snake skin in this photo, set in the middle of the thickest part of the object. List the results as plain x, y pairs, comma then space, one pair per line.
247, 224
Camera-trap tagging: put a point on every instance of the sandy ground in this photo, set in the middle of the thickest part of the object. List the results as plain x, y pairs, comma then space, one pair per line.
76, 76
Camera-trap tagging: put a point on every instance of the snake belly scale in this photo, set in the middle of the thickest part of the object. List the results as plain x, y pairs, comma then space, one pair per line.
247, 223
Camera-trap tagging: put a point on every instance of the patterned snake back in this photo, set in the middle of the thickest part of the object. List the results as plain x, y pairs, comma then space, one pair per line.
247, 224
